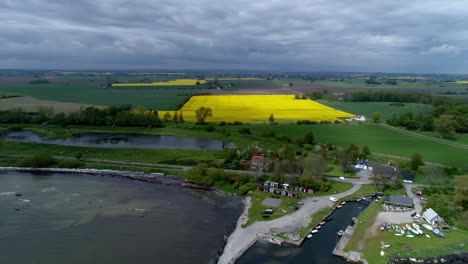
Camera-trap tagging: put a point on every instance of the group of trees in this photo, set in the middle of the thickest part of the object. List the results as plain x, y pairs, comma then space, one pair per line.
407, 97
119, 116
444, 119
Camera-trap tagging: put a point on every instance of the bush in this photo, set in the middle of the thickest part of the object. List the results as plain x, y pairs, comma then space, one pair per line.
37, 161
15, 128
210, 128
72, 164
245, 130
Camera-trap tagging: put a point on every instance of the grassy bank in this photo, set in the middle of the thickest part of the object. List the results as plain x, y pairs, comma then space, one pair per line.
168, 156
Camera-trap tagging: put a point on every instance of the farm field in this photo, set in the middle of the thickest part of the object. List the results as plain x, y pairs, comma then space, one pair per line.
177, 82
384, 108
357, 83
149, 97
258, 108
30, 104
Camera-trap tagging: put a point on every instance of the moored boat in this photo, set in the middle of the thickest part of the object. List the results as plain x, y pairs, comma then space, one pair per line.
314, 231
309, 235
340, 233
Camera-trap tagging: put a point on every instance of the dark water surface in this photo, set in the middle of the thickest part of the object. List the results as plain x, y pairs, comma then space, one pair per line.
107, 140
316, 250
92, 219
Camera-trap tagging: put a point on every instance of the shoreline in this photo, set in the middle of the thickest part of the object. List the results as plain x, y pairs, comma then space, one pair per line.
243, 238
130, 175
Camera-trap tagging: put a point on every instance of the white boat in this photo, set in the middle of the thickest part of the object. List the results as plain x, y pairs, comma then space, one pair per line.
428, 227
382, 253
415, 225
339, 206
428, 236
309, 235
398, 234
314, 231
340, 233
402, 231
409, 236
343, 203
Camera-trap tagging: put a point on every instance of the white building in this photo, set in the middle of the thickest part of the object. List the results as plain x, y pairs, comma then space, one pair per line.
432, 217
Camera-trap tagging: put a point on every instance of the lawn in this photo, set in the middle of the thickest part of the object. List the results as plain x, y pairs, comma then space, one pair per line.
384, 108
93, 93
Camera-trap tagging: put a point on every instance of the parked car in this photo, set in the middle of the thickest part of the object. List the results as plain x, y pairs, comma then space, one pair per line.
333, 199
300, 203
342, 178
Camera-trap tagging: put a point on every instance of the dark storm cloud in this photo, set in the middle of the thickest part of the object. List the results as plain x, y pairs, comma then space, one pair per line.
419, 36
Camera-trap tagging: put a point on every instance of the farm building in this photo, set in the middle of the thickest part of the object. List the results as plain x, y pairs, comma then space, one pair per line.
432, 217
400, 201
407, 177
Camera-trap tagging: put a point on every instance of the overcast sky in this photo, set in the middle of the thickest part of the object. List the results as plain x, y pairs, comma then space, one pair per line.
328, 35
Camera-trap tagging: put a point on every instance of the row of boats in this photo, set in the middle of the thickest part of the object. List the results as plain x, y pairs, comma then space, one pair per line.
411, 230
318, 227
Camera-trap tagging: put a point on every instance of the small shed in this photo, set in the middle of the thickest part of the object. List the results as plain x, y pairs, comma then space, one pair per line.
401, 201
432, 217
407, 177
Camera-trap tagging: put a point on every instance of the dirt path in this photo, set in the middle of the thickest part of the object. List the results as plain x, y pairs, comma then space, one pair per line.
242, 238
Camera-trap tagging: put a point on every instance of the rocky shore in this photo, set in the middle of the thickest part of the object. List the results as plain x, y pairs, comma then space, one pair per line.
131, 175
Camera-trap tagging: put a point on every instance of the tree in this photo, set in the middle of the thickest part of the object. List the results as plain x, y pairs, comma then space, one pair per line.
416, 161
181, 118
175, 117
445, 125
167, 116
309, 138
375, 117
202, 113
434, 173
314, 166
290, 84
271, 118
365, 151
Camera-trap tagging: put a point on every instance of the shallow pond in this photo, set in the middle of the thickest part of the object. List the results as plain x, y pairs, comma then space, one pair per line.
107, 140
62, 218
317, 249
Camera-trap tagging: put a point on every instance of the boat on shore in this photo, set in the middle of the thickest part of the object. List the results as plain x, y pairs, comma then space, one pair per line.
339, 206
428, 227
437, 232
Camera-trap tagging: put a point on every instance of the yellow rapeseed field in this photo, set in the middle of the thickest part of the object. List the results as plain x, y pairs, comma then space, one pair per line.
258, 108
178, 82
462, 82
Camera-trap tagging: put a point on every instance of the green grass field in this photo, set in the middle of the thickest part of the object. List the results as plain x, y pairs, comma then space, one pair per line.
384, 108
359, 83
379, 140
149, 97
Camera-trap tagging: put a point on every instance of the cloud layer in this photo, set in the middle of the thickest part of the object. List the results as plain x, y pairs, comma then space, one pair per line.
395, 36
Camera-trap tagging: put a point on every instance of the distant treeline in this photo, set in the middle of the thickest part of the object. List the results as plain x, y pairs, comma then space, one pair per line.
119, 116
399, 97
